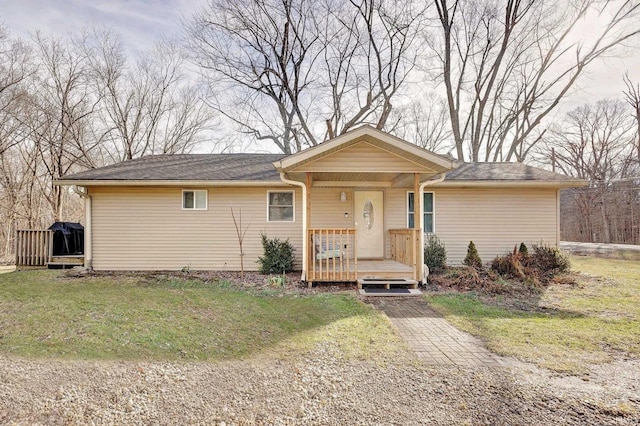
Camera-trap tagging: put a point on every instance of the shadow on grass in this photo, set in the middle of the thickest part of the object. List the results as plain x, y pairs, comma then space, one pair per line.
45, 314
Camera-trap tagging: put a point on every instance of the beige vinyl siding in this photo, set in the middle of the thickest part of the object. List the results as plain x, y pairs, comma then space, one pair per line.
363, 157
138, 228
327, 211
146, 229
494, 219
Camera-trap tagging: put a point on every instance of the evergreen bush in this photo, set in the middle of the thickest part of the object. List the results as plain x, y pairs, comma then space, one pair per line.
278, 256
472, 258
523, 250
435, 254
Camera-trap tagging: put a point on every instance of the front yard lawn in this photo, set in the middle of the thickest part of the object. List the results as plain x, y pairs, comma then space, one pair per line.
564, 328
163, 317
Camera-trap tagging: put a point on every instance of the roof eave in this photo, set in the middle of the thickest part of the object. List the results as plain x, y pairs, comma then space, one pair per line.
511, 184
190, 183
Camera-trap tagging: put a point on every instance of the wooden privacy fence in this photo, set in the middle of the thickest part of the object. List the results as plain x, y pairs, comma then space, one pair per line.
331, 254
405, 248
33, 247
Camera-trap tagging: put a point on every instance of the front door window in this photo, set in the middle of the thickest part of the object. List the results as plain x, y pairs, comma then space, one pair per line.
367, 214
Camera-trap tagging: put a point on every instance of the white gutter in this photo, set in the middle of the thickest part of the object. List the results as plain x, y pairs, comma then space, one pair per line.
304, 220
173, 183
88, 252
421, 201
513, 184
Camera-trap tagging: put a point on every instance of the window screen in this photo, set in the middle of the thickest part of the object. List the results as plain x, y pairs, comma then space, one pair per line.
281, 206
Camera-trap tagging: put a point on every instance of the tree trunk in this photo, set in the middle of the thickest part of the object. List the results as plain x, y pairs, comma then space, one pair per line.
605, 219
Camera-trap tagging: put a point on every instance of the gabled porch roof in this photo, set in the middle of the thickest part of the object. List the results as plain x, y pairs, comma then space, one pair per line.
364, 154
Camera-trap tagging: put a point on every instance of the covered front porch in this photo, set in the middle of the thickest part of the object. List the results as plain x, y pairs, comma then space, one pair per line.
332, 256
363, 206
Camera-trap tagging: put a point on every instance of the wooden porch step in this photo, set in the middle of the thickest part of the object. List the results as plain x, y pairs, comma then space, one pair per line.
62, 265
381, 292
64, 262
387, 283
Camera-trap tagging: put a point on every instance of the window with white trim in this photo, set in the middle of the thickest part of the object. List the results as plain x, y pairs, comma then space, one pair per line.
280, 206
428, 211
194, 199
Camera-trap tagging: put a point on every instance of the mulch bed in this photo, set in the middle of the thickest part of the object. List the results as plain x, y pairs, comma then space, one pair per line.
251, 279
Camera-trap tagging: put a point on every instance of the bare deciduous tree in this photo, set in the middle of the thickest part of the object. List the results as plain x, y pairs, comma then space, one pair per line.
61, 110
595, 143
16, 66
295, 72
426, 124
146, 109
506, 65
240, 233
367, 56
632, 96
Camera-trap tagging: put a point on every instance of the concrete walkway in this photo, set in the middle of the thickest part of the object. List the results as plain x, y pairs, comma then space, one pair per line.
7, 268
434, 340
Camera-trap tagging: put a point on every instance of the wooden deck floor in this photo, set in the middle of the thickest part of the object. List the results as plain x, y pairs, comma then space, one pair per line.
383, 268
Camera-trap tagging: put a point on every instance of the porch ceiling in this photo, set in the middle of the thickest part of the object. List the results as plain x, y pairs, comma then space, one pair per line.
360, 179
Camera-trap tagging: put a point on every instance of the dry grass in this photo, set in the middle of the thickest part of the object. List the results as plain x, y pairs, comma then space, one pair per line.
566, 327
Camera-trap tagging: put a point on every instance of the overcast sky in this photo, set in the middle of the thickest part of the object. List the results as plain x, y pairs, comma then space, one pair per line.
141, 22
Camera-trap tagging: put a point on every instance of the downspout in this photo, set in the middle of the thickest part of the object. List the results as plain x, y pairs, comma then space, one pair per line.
558, 218
421, 201
304, 220
88, 249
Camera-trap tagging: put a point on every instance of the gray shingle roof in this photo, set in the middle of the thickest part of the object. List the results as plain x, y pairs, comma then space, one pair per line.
503, 172
259, 167
183, 167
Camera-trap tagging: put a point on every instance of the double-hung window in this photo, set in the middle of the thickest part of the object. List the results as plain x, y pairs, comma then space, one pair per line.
194, 199
428, 211
280, 206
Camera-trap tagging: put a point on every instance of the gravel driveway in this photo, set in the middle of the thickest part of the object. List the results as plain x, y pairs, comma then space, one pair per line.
322, 388
587, 248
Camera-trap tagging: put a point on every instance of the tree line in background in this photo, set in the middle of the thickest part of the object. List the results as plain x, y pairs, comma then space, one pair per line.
481, 79
79, 102
600, 143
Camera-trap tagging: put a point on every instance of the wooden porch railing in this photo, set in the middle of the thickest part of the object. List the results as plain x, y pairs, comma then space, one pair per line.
331, 254
33, 247
405, 248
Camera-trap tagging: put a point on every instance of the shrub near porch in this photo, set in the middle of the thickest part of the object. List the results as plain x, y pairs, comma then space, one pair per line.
566, 327
155, 317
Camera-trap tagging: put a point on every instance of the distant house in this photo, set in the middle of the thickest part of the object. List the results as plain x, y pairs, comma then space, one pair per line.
347, 205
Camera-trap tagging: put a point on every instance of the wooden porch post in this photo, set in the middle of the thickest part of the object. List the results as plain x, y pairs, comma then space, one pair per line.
308, 206
310, 258
416, 200
417, 219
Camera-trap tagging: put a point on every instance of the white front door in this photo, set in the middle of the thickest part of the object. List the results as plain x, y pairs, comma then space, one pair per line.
369, 223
